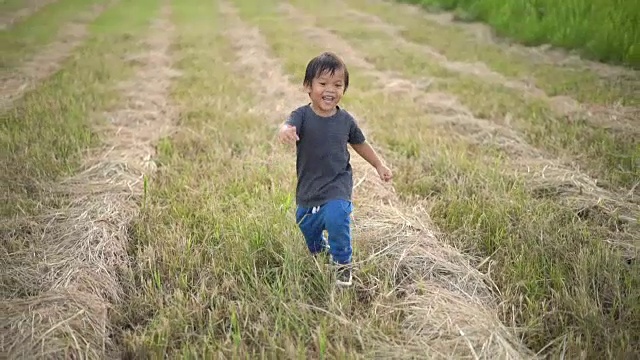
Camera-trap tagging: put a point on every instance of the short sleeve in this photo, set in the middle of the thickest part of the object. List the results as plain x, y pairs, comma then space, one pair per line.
356, 136
295, 119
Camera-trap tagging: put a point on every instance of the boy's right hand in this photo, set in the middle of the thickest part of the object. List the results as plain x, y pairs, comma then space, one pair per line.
288, 134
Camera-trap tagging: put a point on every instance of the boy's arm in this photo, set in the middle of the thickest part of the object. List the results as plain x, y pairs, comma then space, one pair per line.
366, 151
289, 130
361, 146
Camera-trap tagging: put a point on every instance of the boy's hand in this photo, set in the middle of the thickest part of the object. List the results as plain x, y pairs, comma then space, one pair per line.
288, 134
384, 172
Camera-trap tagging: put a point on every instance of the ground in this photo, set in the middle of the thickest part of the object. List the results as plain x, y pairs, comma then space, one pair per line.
148, 207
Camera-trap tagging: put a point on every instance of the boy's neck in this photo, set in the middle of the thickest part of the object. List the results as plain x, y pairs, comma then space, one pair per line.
320, 113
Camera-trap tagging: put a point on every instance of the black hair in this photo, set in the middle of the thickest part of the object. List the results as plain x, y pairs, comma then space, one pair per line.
327, 61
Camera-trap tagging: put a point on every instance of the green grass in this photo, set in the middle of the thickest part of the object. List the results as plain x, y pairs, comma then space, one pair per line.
49, 130
602, 30
26, 37
459, 45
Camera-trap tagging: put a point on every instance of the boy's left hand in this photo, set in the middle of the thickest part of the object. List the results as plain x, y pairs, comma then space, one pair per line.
384, 172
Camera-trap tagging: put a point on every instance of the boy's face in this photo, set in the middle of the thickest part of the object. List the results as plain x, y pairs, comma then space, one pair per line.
326, 91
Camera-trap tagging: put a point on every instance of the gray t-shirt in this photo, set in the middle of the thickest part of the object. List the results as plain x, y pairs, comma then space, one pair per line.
322, 164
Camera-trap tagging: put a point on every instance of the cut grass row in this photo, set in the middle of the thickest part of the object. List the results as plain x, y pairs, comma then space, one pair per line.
13, 11
601, 30
58, 275
584, 84
579, 300
11, 5
49, 130
24, 38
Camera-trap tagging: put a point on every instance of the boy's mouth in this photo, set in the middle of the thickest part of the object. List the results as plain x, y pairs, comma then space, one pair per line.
328, 98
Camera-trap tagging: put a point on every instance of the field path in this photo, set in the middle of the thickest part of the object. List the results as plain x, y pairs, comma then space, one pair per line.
47, 60
29, 7
82, 255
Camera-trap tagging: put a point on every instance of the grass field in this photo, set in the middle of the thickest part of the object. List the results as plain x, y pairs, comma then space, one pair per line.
600, 30
148, 208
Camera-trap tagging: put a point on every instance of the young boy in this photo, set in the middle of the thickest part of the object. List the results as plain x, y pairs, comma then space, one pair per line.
321, 131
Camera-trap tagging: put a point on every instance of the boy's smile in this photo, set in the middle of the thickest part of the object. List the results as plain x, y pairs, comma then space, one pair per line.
326, 91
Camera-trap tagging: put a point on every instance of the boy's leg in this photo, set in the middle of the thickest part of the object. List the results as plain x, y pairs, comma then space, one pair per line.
311, 226
337, 220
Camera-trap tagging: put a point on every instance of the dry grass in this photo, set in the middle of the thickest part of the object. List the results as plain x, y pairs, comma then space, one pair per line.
541, 54
554, 70
60, 323
562, 105
27, 38
48, 60
70, 276
477, 68
450, 307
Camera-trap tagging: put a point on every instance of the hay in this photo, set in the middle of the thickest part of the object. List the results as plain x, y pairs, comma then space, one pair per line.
451, 309
58, 323
544, 175
81, 244
59, 288
477, 68
49, 59
451, 306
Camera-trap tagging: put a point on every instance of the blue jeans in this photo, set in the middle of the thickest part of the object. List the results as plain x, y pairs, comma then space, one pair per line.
333, 216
